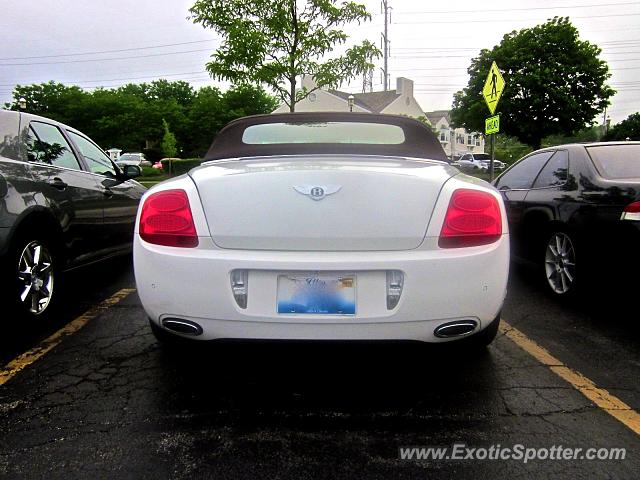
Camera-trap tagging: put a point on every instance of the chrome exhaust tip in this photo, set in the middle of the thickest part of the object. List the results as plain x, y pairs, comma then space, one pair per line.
185, 327
457, 328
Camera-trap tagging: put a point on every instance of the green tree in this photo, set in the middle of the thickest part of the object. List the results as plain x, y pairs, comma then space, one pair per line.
590, 134
132, 117
246, 100
53, 100
555, 84
168, 146
509, 149
274, 42
628, 128
180, 91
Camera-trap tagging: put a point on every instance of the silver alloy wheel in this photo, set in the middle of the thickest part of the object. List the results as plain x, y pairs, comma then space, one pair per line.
560, 263
35, 277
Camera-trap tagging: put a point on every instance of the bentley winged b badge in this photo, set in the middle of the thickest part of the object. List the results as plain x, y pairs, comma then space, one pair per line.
317, 192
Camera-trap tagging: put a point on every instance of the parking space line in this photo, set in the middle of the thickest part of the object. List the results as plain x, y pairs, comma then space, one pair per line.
601, 397
27, 358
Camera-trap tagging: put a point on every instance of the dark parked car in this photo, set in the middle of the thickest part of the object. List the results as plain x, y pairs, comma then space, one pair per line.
575, 210
63, 204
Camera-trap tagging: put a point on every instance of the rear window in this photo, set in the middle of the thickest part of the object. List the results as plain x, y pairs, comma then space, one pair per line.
323, 132
616, 161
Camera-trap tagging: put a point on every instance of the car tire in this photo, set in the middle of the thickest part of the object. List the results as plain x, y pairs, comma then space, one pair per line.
559, 266
32, 276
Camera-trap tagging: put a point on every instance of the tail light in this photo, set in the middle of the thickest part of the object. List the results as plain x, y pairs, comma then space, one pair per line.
166, 220
473, 218
631, 212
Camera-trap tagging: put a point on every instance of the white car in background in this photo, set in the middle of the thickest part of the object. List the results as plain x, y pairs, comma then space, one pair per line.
498, 166
323, 226
472, 161
137, 159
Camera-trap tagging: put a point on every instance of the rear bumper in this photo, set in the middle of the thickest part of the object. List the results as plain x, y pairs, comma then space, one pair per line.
439, 286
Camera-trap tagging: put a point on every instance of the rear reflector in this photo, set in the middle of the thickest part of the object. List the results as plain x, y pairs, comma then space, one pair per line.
166, 220
395, 282
240, 286
473, 218
631, 212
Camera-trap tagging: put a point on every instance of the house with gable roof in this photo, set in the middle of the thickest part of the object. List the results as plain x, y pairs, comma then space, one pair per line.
455, 141
399, 101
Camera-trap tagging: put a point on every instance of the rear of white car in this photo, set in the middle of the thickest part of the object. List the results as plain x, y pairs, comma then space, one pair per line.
324, 247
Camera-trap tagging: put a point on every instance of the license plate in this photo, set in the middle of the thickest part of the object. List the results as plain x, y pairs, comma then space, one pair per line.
321, 294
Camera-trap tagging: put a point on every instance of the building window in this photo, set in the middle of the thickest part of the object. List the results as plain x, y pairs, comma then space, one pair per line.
469, 140
443, 135
460, 138
477, 137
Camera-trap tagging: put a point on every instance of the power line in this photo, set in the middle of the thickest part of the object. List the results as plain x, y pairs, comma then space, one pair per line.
518, 9
104, 59
153, 75
108, 51
428, 22
627, 44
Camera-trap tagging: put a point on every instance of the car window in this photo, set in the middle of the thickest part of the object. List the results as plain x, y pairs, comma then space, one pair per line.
554, 172
617, 161
97, 161
46, 144
521, 175
9, 144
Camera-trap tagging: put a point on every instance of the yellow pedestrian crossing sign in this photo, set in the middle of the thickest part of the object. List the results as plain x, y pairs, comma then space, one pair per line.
493, 87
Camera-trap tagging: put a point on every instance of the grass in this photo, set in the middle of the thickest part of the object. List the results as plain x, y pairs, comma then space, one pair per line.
150, 181
482, 175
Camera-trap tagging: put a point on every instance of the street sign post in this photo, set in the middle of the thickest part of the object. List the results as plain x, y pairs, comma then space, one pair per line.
492, 91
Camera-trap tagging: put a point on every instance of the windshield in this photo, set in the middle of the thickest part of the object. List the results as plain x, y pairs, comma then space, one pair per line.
616, 161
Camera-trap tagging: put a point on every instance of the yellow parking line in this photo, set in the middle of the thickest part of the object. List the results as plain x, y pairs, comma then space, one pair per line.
27, 358
602, 398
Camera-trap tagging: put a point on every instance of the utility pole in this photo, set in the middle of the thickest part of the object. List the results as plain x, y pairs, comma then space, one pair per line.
385, 8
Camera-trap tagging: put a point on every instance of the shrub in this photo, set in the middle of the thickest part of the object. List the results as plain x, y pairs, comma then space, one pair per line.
177, 166
152, 172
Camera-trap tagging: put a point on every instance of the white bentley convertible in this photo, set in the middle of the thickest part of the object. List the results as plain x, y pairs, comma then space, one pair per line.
323, 226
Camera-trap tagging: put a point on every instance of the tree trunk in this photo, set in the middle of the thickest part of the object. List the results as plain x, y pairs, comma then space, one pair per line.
292, 95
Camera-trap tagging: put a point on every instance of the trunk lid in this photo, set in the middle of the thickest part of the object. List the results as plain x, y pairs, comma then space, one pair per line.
332, 203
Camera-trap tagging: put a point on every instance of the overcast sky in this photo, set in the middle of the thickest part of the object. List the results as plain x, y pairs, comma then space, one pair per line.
114, 42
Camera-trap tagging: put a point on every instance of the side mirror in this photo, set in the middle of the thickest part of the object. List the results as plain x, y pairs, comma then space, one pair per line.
131, 171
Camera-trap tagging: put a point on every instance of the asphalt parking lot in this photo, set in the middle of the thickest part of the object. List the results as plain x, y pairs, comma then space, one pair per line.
108, 402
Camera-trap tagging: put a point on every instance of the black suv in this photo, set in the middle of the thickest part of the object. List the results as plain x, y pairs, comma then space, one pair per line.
63, 204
